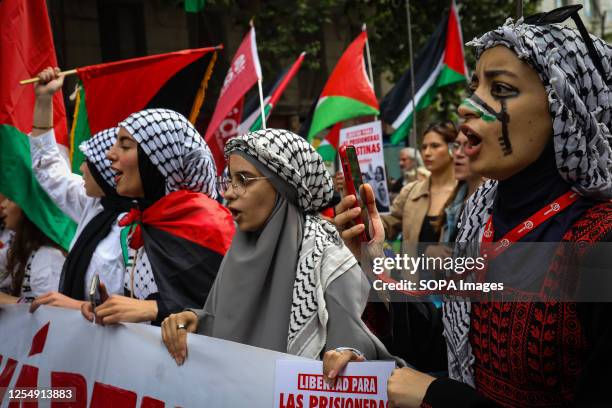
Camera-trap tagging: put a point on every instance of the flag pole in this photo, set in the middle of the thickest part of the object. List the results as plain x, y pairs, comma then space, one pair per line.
74, 71
370, 74
364, 28
259, 85
261, 104
519, 9
36, 79
413, 136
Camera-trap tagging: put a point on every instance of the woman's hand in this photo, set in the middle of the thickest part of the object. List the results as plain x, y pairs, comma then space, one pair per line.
7, 299
87, 309
175, 338
345, 214
55, 299
49, 83
118, 309
338, 181
406, 387
335, 361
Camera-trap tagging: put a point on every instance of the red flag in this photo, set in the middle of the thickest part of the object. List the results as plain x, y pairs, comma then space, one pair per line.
241, 76
228, 127
26, 47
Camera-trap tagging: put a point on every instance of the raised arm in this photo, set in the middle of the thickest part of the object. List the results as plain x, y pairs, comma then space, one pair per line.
50, 168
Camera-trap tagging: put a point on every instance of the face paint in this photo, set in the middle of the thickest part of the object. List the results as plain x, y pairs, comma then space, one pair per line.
480, 110
488, 114
504, 140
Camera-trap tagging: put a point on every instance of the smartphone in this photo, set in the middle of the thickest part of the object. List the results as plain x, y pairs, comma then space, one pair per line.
94, 293
96, 297
353, 182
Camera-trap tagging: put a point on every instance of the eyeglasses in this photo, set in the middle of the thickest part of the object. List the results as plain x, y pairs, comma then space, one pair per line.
456, 146
239, 183
560, 15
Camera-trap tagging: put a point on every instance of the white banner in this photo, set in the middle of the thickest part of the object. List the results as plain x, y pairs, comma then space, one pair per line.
368, 142
127, 365
299, 384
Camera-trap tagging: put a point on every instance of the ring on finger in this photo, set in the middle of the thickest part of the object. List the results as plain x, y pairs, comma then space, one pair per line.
180, 326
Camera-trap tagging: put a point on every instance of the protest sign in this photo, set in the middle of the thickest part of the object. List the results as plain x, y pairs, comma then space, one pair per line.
126, 365
367, 139
299, 384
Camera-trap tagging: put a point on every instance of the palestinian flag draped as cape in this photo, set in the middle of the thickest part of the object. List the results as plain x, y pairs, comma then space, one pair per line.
26, 48
185, 236
439, 63
112, 91
347, 94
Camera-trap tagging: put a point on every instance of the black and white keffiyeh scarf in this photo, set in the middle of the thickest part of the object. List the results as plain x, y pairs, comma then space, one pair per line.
184, 232
297, 164
176, 148
94, 149
580, 105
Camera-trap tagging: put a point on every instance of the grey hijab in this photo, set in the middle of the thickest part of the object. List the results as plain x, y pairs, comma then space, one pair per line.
292, 287
250, 302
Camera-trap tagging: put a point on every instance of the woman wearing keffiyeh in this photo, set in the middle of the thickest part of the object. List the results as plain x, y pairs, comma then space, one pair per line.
178, 234
91, 201
538, 123
287, 282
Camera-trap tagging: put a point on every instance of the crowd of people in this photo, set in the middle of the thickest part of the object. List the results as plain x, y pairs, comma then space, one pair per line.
249, 257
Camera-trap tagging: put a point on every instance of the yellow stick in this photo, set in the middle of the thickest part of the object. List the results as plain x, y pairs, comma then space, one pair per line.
199, 99
34, 80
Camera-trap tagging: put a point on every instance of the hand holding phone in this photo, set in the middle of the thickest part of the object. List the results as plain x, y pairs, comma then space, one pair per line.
352, 186
97, 293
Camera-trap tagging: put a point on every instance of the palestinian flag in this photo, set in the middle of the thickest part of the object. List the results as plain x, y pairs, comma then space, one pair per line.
26, 48
185, 235
347, 94
253, 121
328, 146
439, 63
110, 92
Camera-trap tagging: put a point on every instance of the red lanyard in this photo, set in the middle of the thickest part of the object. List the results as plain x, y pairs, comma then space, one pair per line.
548, 211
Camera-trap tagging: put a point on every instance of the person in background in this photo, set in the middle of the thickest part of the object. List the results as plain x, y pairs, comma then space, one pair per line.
178, 234
468, 182
421, 203
409, 161
287, 283
422, 174
6, 236
34, 261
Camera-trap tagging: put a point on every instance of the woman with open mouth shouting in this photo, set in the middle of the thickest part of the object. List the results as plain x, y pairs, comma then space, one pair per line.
287, 283
538, 125
179, 233
91, 201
